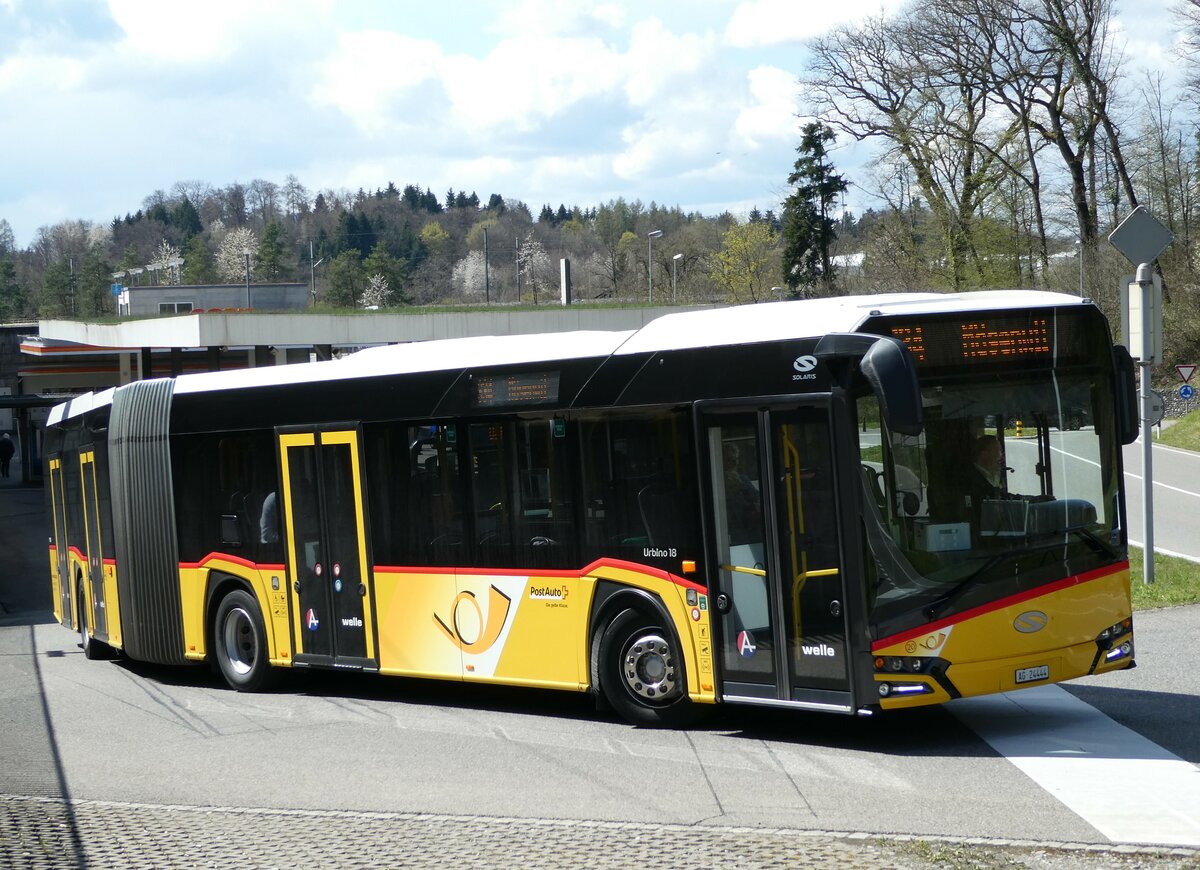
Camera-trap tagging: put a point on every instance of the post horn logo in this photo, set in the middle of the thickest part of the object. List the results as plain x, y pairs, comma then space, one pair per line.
470, 641
1031, 621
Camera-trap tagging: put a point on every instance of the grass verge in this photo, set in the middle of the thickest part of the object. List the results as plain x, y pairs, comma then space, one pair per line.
1185, 433
1176, 581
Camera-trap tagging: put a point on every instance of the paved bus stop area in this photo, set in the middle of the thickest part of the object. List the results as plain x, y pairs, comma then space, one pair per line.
50, 818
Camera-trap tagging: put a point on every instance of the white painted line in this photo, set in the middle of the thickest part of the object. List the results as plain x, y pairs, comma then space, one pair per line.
1127, 787
1164, 551
1165, 485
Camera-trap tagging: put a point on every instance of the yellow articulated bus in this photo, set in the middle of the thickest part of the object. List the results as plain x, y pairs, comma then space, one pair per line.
849, 505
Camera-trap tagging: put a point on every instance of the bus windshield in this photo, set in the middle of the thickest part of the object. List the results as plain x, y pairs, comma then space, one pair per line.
1012, 485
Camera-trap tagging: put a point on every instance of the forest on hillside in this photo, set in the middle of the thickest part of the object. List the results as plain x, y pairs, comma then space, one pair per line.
1012, 137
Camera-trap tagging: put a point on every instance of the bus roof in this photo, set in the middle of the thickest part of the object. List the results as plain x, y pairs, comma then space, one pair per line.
741, 324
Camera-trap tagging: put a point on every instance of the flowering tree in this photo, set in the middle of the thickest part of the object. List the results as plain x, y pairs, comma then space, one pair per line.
468, 275
231, 254
167, 262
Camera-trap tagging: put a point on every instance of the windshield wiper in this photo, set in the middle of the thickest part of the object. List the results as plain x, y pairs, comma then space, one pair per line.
934, 610
1092, 538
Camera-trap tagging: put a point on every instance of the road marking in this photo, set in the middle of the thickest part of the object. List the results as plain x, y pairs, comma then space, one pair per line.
1127, 787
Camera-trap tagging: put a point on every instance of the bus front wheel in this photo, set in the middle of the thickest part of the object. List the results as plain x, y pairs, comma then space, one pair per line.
641, 672
241, 643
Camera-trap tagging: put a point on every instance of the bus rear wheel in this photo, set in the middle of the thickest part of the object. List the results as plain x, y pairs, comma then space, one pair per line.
641, 672
240, 643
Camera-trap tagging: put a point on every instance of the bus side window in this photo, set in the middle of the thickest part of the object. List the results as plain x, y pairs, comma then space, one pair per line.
639, 486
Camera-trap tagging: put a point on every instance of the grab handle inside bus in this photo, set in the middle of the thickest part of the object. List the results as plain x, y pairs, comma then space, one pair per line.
888, 367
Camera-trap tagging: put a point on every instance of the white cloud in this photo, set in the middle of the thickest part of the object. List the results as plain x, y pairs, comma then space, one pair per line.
371, 71
775, 22
190, 31
527, 80
772, 115
657, 58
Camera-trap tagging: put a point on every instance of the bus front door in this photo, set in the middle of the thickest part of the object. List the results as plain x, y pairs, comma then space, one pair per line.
326, 549
780, 596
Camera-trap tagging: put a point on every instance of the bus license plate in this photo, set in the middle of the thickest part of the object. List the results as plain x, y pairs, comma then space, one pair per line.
1031, 675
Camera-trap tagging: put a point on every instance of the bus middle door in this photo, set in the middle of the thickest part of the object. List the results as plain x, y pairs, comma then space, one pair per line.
326, 548
94, 597
780, 597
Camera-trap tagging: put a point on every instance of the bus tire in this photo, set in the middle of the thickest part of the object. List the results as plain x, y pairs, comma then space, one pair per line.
240, 643
641, 672
93, 649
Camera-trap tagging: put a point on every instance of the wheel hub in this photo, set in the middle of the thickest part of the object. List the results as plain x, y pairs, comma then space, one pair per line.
239, 640
648, 667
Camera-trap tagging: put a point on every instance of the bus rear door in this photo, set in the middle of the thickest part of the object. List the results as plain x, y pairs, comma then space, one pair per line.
64, 593
326, 548
780, 594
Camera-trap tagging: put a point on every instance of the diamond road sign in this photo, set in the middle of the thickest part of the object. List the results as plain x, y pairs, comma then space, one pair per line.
1140, 237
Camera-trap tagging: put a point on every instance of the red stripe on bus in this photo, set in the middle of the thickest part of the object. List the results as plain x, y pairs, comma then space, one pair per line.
548, 572
238, 560
1065, 583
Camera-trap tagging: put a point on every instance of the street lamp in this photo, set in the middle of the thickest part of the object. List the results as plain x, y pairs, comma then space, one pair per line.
674, 262
1079, 242
246, 251
650, 237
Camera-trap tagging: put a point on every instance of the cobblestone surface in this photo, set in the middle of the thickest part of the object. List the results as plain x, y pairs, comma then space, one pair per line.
40, 832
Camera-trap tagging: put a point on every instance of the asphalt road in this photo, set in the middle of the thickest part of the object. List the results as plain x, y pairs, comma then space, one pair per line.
1176, 478
119, 745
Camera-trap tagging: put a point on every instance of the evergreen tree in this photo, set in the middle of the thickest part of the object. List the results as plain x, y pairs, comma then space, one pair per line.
808, 229
271, 251
546, 215
12, 295
496, 204
57, 297
387, 277
346, 280
198, 264
93, 283
186, 219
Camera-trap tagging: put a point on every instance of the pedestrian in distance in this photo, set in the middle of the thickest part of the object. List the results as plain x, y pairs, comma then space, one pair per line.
7, 449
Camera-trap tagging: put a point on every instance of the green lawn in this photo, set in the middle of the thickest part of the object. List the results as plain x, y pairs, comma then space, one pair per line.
1185, 433
1176, 581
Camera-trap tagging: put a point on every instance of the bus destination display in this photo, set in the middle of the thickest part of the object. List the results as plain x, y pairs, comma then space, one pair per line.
997, 338
527, 388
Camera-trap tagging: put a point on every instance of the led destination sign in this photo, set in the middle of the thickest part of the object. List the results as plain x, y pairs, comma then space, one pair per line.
527, 388
1040, 338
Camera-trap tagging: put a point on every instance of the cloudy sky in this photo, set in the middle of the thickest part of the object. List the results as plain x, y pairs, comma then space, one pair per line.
683, 103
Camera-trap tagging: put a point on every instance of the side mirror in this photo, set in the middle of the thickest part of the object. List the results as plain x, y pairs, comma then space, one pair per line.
1126, 399
888, 367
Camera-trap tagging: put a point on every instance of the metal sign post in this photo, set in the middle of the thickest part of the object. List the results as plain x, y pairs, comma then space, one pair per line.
1141, 238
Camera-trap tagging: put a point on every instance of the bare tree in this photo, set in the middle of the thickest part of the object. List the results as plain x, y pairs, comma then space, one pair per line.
263, 197
897, 80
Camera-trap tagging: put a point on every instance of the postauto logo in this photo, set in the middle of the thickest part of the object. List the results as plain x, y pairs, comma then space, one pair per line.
469, 640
